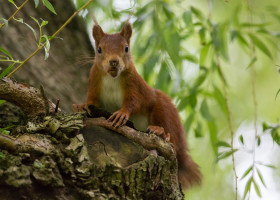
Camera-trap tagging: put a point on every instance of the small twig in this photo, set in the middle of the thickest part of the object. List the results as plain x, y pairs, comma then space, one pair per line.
53, 36
252, 54
229, 123
14, 61
1, 25
56, 106
46, 101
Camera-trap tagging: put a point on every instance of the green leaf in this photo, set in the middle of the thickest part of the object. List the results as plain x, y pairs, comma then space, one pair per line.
259, 141
252, 62
7, 70
203, 72
197, 13
11, 1
225, 154
202, 36
204, 110
2, 101
44, 23
247, 188
36, 3
49, 6
257, 188
241, 139
188, 122
247, 172
205, 54
172, 47
187, 17
220, 99
198, 130
149, 66
223, 144
260, 177
275, 135
191, 58
30, 27
163, 77
270, 166
277, 94
249, 25
265, 126
183, 103
213, 136
260, 44
6, 52
6, 22
242, 40
46, 53
46, 40
35, 20
33, 31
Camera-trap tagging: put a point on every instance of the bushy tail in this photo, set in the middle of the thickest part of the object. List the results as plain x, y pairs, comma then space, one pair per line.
188, 171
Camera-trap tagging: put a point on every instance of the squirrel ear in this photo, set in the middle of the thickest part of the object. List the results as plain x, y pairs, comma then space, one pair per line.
97, 33
127, 31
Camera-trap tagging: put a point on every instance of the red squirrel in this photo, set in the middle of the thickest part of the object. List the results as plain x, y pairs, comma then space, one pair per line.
115, 85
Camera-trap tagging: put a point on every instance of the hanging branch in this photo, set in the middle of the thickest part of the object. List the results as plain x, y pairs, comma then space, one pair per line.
229, 122
253, 70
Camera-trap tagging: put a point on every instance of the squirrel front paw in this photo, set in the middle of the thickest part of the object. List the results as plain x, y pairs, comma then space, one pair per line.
159, 131
119, 118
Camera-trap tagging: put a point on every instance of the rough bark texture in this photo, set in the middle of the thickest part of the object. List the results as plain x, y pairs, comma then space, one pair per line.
60, 73
32, 101
72, 157
55, 159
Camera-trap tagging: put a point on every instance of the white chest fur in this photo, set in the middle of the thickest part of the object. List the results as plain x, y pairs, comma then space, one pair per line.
111, 97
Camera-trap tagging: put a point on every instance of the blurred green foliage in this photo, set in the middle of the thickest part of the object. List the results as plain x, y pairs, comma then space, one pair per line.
179, 47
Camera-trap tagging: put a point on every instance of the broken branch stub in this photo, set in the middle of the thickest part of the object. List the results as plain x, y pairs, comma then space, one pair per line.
29, 99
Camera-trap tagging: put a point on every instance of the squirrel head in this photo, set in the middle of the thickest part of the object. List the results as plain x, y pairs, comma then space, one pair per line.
112, 50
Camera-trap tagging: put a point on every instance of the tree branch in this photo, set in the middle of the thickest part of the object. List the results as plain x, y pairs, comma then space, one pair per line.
27, 98
148, 141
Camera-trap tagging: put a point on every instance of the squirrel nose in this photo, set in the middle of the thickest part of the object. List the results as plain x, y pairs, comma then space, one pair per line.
114, 63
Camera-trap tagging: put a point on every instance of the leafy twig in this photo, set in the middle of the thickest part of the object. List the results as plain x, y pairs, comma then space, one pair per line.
1, 25
53, 36
229, 122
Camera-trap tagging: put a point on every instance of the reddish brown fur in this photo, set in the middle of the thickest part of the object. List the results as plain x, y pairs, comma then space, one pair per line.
139, 98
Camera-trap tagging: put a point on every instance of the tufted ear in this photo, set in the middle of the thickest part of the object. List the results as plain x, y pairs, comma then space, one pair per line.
126, 31
97, 33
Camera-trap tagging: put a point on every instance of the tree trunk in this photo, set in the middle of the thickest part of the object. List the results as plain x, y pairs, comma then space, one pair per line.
61, 74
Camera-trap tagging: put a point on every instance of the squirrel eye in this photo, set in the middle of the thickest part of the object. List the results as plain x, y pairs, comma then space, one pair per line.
126, 49
99, 50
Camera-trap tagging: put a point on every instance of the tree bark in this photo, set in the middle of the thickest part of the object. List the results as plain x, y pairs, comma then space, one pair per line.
62, 156
61, 75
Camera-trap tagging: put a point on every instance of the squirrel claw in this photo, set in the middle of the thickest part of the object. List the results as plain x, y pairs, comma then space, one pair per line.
159, 131
118, 118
